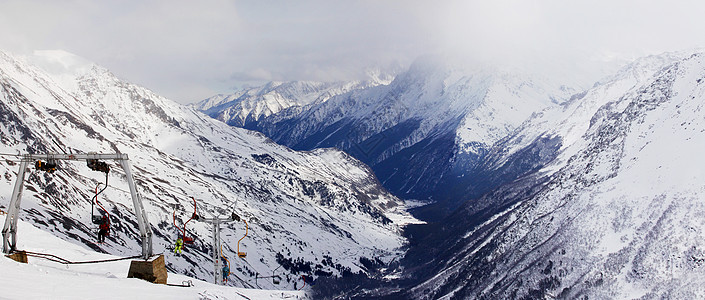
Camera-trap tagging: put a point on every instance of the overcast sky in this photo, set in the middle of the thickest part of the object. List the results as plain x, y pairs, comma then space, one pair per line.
190, 50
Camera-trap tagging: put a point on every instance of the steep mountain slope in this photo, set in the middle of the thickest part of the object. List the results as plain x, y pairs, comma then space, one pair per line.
426, 133
246, 107
617, 214
552, 134
313, 213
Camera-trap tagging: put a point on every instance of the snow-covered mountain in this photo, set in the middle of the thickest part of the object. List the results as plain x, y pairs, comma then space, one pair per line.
426, 133
598, 195
314, 213
616, 213
246, 107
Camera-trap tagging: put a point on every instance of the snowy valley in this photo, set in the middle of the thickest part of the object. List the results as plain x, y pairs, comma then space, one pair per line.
578, 195
427, 132
617, 214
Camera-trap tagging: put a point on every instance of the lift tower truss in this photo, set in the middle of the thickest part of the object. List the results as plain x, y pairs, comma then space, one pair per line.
9, 230
217, 263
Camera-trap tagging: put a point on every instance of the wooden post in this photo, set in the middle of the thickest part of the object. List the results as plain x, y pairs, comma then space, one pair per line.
19, 256
152, 270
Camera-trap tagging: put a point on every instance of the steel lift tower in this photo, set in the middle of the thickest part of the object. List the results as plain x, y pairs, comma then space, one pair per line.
215, 221
9, 230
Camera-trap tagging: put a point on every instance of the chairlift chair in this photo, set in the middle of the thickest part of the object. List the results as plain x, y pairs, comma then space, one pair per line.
187, 239
49, 166
242, 254
98, 218
276, 279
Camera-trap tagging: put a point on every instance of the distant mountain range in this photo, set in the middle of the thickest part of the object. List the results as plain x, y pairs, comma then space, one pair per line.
248, 106
426, 133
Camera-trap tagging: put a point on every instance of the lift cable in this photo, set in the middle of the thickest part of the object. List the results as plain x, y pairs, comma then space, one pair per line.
64, 261
176, 193
8, 154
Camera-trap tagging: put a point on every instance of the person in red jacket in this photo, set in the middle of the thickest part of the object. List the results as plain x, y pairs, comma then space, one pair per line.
104, 229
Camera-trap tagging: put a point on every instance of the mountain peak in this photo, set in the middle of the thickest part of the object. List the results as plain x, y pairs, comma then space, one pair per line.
62, 66
60, 61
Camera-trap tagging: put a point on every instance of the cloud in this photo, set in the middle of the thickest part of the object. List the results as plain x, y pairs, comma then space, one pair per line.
189, 50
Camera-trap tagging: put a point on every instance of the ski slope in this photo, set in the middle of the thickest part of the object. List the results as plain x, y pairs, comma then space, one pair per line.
43, 279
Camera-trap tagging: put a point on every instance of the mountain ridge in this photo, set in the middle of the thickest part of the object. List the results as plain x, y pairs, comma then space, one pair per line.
249, 105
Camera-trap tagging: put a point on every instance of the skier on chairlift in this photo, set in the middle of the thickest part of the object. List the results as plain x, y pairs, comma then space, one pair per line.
226, 273
179, 245
103, 229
